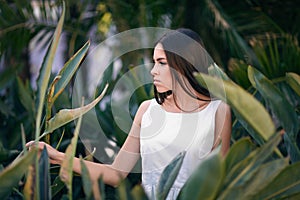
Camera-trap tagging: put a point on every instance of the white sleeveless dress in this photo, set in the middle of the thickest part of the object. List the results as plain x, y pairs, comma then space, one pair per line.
165, 134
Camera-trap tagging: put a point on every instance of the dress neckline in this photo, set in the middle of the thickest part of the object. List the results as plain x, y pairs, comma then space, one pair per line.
184, 113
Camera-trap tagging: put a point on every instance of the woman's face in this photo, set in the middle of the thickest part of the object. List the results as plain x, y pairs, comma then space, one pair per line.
161, 73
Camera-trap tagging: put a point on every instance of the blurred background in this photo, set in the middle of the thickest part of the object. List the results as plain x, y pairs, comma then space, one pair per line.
237, 33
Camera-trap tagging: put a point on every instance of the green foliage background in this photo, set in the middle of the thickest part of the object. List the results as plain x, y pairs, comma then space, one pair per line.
254, 42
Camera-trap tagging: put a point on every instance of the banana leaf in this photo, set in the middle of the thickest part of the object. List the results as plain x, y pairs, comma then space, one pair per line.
11, 175
285, 184
45, 72
205, 181
293, 80
244, 170
65, 116
278, 103
86, 180
241, 102
66, 170
168, 176
69, 69
238, 152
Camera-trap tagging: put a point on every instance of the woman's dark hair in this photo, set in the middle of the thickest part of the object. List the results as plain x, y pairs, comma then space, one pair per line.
185, 54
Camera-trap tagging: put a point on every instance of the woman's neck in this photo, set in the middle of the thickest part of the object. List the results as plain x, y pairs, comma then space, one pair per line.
184, 103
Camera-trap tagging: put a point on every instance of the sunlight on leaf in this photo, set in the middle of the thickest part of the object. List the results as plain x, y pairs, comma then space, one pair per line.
293, 80
29, 188
65, 116
45, 72
242, 102
66, 170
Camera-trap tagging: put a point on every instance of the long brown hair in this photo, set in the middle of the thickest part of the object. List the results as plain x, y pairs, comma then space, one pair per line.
185, 54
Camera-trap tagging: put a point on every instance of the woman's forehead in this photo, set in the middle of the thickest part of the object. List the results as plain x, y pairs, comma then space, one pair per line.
159, 46
159, 52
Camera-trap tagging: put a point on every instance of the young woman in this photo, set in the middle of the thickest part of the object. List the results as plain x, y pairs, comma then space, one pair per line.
182, 117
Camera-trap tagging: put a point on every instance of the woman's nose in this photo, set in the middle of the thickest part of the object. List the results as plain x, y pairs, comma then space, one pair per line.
154, 70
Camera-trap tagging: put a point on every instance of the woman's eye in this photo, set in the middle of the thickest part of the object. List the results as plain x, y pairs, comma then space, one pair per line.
162, 63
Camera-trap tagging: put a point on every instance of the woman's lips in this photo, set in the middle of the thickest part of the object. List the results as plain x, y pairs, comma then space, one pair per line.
155, 81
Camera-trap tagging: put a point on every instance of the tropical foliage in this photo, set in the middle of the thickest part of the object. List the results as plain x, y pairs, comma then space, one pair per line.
260, 58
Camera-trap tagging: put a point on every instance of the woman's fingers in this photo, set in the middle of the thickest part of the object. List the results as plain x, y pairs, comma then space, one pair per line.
54, 155
28, 144
32, 143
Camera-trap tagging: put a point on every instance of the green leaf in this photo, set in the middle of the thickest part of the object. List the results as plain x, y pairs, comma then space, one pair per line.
261, 177
69, 69
244, 170
205, 181
293, 80
101, 187
241, 102
60, 139
285, 184
168, 176
30, 189
25, 98
264, 176
49, 100
44, 176
23, 137
258, 138
294, 195
66, 170
123, 190
45, 72
278, 103
292, 148
11, 175
90, 156
57, 186
216, 71
64, 116
135, 76
7, 76
138, 193
6, 110
237, 152
121, 115
7, 155
86, 180
238, 71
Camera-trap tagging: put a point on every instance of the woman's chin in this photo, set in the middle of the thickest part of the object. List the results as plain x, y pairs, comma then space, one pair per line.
162, 90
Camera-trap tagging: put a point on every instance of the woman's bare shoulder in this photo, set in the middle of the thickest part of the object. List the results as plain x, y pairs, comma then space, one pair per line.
140, 112
144, 106
223, 107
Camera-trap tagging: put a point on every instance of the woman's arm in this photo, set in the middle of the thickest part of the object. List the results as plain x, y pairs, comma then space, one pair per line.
223, 127
123, 163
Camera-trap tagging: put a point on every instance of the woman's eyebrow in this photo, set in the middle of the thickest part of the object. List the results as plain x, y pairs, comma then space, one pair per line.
159, 59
